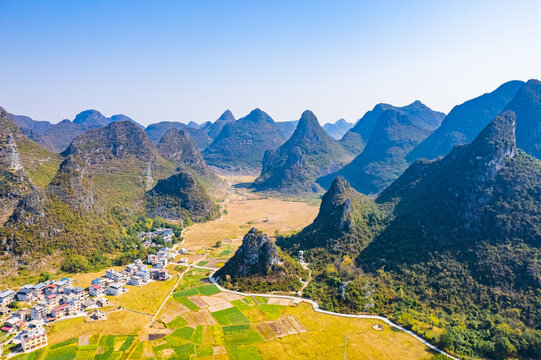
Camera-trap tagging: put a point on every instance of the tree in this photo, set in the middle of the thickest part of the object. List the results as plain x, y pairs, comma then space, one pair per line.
44, 276
218, 243
75, 264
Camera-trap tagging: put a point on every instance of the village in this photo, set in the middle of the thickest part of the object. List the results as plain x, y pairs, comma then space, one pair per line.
25, 311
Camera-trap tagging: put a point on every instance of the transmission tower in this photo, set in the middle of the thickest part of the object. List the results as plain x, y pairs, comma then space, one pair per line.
149, 177
14, 154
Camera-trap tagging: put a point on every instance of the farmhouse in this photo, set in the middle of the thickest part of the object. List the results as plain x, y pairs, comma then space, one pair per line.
33, 339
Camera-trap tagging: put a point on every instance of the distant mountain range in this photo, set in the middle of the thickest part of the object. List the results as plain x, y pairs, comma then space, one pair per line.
395, 133
338, 129
465, 121
57, 137
240, 145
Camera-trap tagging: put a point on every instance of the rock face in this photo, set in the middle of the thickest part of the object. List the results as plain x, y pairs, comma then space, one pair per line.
177, 147
347, 221
465, 121
118, 140
18, 195
241, 145
481, 191
309, 153
338, 129
527, 107
72, 186
255, 256
180, 196
396, 133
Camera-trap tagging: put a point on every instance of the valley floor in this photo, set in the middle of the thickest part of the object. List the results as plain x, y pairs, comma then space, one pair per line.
188, 317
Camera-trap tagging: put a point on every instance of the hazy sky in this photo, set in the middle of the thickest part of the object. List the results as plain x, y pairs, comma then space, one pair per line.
191, 60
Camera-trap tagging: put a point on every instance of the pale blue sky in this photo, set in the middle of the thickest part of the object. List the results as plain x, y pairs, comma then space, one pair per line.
191, 60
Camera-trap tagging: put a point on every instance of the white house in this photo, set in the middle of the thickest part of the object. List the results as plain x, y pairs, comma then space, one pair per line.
6, 297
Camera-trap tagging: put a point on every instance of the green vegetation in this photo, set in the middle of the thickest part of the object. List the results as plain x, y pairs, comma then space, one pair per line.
186, 302
450, 250
230, 316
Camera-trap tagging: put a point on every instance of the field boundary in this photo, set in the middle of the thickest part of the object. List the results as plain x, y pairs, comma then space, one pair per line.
316, 308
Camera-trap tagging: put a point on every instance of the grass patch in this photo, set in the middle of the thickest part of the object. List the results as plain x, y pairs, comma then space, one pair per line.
187, 292
197, 336
230, 316
85, 354
241, 305
184, 351
129, 341
174, 341
235, 329
177, 323
146, 299
245, 352
273, 312
64, 343
184, 333
203, 350
202, 263
261, 299
208, 290
188, 303
64, 353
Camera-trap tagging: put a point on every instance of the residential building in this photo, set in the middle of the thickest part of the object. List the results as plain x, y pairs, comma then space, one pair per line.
39, 311
99, 315
159, 274
152, 259
96, 290
102, 302
88, 304
61, 311
116, 289
33, 339
6, 297
26, 293
184, 251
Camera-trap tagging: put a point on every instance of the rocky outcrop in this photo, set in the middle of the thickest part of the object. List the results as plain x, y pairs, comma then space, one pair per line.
347, 221
482, 190
255, 256
180, 196
118, 140
177, 147
72, 186
156, 131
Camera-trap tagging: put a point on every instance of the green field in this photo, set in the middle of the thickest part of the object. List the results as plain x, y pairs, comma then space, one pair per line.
105, 347
253, 328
